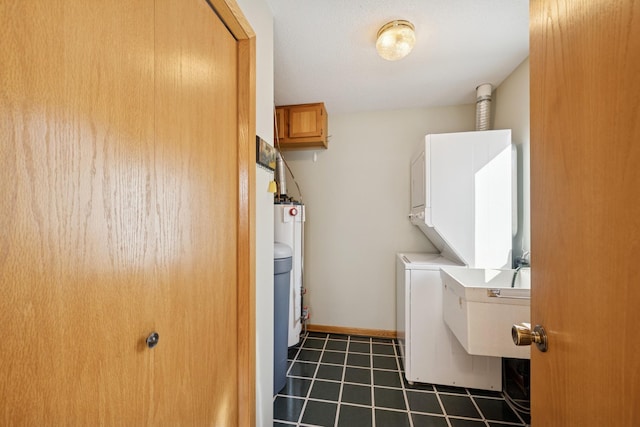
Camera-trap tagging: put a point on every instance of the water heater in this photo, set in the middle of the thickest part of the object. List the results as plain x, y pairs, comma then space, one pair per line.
288, 229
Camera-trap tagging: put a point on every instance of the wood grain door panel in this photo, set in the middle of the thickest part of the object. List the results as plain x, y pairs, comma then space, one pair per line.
196, 172
118, 212
585, 110
76, 211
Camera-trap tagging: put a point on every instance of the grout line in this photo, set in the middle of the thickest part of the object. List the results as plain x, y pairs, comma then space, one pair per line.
344, 373
304, 404
461, 417
403, 387
478, 408
373, 386
384, 408
520, 417
404, 390
306, 399
484, 397
292, 360
444, 411
432, 414
315, 373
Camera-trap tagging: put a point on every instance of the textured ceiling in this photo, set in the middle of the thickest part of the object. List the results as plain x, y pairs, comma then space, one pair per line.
324, 50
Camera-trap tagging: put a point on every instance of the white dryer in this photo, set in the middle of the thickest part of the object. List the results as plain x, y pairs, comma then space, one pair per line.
430, 352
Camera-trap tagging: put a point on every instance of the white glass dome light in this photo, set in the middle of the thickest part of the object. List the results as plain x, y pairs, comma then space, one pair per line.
395, 40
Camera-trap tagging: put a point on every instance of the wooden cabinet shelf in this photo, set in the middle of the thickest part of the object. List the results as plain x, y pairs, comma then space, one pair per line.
301, 126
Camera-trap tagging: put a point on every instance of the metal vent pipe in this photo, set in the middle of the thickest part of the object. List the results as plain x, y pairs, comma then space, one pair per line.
280, 175
483, 107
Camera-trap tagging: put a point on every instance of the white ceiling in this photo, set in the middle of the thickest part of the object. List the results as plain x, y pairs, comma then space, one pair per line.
324, 51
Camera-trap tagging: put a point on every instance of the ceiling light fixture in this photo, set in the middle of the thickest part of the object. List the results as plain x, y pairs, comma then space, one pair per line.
395, 40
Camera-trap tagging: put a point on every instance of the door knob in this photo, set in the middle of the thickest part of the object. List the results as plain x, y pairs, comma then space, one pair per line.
523, 335
152, 340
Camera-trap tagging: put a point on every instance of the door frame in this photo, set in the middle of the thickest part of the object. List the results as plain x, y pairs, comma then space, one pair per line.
230, 14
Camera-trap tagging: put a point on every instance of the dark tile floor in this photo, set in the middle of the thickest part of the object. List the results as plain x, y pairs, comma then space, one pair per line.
352, 381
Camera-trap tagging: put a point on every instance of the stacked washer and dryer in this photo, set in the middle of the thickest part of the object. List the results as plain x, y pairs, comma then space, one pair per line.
461, 198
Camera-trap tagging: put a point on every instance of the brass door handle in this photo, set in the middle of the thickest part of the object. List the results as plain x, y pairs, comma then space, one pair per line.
523, 335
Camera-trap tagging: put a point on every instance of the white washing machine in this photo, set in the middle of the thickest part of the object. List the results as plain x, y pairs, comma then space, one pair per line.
430, 352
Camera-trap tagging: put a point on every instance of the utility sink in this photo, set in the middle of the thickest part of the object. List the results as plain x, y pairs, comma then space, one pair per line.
480, 307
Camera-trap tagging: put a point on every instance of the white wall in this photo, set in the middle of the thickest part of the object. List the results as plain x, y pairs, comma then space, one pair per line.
511, 102
357, 199
259, 16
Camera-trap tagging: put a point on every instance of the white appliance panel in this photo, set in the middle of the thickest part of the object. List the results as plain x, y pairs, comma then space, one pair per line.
430, 351
465, 206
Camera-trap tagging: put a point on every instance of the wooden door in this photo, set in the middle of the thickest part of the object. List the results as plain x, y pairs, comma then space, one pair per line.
585, 211
76, 257
195, 180
121, 206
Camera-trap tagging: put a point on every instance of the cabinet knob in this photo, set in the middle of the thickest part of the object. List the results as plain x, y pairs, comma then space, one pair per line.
152, 340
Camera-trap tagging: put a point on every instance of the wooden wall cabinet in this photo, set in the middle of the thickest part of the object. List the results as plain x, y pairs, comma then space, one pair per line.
301, 126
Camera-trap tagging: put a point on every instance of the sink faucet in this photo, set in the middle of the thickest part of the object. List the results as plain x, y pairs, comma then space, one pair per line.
515, 275
522, 261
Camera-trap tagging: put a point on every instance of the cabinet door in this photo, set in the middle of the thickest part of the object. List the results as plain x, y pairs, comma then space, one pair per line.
306, 121
281, 123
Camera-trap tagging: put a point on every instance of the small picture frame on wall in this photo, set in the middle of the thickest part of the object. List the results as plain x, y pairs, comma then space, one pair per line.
265, 154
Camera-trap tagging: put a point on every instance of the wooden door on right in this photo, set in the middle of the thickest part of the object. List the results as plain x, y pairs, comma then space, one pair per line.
585, 213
